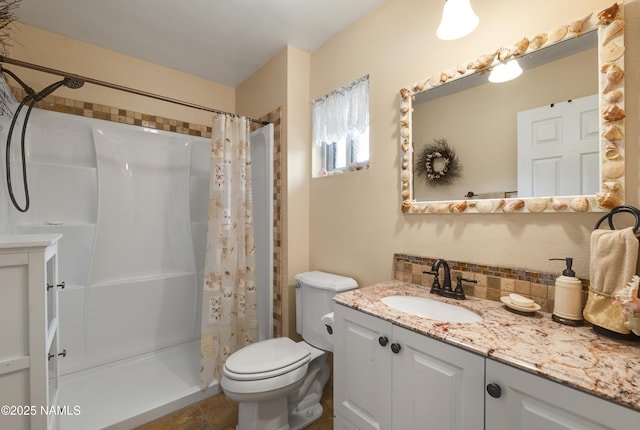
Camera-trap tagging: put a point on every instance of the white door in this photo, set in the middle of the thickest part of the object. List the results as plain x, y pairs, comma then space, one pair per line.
435, 386
558, 149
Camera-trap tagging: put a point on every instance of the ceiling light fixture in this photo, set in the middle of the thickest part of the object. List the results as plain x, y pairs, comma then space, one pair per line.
504, 72
458, 20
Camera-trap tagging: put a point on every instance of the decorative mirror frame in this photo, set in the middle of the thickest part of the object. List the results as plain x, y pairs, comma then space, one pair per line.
609, 23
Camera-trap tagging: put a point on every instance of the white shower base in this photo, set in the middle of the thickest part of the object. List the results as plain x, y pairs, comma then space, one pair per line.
129, 393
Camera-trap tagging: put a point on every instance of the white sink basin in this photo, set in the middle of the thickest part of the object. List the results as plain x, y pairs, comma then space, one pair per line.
432, 309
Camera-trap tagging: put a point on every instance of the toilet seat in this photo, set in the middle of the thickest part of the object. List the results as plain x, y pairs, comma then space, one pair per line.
266, 369
266, 359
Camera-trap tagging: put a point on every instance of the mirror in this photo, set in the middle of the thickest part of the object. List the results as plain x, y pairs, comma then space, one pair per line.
456, 158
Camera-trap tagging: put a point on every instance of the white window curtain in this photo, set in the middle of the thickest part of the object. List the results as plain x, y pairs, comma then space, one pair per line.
341, 112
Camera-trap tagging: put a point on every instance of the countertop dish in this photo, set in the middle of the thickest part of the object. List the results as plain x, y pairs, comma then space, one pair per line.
575, 356
510, 304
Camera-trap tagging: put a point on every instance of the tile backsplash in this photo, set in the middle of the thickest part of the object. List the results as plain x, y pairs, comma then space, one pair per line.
493, 281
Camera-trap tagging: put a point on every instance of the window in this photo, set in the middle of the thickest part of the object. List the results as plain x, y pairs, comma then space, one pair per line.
341, 129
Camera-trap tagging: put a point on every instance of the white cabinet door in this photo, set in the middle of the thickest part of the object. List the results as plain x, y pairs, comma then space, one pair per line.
387, 377
362, 370
526, 402
435, 385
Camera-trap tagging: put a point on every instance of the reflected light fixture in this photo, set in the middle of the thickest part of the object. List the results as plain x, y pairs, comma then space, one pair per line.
458, 20
504, 72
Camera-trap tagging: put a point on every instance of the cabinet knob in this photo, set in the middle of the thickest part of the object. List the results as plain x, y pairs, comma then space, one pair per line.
383, 340
494, 390
395, 347
329, 328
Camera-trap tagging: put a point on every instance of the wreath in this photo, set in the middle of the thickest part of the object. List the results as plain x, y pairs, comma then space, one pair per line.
438, 163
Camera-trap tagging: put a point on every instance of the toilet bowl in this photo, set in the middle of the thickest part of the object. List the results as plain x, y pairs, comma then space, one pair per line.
260, 377
278, 383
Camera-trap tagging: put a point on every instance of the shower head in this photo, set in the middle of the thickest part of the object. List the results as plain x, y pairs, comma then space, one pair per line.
73, 83
68, 82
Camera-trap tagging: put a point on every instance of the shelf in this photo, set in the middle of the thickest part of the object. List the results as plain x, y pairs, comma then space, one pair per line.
14, 364
21, 226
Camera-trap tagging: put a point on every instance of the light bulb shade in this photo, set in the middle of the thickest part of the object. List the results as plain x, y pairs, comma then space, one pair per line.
505, 72
458, 20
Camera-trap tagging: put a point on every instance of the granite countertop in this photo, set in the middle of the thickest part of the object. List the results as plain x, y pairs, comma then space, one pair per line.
575, 356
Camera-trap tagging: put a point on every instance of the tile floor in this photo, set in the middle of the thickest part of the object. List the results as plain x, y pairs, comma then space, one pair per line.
220, 413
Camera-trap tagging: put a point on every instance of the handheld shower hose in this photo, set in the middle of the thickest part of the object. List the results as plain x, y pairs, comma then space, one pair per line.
31, 99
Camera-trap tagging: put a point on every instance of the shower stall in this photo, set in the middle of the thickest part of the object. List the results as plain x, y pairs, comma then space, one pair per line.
132, 205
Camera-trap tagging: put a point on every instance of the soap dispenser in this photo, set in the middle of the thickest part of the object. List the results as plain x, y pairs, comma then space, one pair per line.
567, 308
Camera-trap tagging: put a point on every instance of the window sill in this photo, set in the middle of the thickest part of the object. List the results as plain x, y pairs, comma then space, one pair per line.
360, 167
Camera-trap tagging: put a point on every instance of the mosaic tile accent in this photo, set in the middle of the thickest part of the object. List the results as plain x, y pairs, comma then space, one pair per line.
492, 281
114, 114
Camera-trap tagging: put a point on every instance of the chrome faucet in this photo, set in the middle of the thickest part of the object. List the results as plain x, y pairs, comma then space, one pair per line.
445, 290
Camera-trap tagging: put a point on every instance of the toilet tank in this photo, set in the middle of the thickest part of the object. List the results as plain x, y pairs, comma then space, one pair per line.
314, 293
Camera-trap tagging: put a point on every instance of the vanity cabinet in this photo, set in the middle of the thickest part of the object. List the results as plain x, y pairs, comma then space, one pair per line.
29, 348
521, 400
388, 377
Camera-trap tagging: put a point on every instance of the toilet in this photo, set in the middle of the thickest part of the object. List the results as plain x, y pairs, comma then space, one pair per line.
278, 382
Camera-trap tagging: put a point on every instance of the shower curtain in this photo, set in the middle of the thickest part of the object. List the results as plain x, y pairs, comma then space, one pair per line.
229, 316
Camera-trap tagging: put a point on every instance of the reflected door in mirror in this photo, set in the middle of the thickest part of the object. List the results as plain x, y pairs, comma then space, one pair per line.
558, 149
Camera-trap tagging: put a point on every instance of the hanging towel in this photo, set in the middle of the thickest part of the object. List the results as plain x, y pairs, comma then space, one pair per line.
614, 256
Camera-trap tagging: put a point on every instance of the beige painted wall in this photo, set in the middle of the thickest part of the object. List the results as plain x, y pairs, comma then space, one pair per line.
356, 223
43, 48
284, 82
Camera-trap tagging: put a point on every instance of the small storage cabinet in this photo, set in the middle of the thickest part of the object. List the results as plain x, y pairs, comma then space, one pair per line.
29, 349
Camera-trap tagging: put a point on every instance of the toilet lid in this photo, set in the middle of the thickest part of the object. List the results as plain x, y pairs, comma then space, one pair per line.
267, 358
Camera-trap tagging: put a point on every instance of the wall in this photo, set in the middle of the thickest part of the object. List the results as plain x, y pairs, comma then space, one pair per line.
43, 48
284, 82
356, 223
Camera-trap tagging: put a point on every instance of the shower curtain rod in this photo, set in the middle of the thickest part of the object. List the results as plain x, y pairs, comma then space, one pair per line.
32, 66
